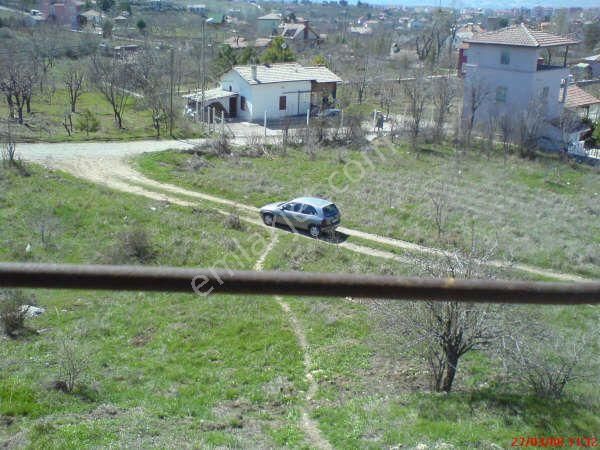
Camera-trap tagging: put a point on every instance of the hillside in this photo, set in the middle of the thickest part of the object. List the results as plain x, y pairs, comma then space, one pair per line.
171, 370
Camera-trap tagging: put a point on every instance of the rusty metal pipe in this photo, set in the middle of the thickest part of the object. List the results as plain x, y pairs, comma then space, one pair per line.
222, 281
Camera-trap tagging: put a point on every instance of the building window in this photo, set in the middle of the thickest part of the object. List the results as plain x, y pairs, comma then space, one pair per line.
501, 94
243, 103
282, 103
505, 57
545, 92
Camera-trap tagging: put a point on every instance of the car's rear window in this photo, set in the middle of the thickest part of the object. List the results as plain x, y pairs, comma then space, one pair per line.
330, 210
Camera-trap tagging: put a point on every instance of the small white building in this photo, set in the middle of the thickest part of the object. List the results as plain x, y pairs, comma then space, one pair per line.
277, 90
268, 25
511, 70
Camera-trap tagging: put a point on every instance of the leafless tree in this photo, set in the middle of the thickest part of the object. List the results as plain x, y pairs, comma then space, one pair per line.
506, 126
568, 123
442, 95
530, 123
443, 332
476, 93
43, 47
387, 94
440, 200
113, 78
416, 95
8, 147
73, 79
359, 81
151, 79
16, 83
491, 126
544, 360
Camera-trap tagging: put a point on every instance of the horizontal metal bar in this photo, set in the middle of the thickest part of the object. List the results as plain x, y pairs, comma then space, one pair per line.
215, 281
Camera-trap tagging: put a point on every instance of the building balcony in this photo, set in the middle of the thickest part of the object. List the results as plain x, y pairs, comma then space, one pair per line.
541, 67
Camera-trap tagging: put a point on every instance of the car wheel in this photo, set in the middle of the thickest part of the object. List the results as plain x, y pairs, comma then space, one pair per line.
268, 219
314, 231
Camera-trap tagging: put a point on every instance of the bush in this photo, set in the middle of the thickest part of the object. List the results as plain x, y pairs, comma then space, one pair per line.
88, 122
71, 366
134, 246
13, 312
233, 222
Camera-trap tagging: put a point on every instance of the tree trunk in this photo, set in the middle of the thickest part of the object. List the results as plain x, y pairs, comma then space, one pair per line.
28, 103
11, 106
451, 366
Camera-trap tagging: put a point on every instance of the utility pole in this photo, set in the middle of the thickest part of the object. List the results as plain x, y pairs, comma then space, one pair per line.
203, 68
171, 88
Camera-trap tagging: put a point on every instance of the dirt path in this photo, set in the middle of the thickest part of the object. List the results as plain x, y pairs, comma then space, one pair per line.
310, 426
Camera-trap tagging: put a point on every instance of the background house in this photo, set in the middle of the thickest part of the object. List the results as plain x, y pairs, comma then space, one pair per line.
277, 90
510, 71
268, 25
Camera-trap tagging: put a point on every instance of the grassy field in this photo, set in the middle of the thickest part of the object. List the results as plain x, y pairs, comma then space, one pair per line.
45, 123
371, 392
541, 212
174, 370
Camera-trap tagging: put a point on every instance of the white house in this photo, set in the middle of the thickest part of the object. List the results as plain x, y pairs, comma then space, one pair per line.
279, 90
268, 25
511, 69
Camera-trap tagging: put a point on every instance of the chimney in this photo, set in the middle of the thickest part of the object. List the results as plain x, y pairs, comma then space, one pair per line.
253, 71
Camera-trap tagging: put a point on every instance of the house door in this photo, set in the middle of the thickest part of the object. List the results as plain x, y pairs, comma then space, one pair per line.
232, 106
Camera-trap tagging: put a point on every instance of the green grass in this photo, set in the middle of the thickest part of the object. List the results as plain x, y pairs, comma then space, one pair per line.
45, 123
177, 370
539, 212
371, 390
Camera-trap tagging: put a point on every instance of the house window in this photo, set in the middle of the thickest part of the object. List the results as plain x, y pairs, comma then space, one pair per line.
545, 92
282, 103
501, 94
505, 57
243, 103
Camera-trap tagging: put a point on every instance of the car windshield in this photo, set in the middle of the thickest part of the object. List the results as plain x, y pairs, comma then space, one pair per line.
330, 210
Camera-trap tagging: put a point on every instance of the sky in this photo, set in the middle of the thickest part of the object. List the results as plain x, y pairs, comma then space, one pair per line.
492, 4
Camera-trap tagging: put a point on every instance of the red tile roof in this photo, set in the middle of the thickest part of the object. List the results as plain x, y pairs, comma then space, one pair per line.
521, 36
578, 98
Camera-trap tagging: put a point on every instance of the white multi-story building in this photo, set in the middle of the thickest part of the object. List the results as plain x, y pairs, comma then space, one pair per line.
510, 70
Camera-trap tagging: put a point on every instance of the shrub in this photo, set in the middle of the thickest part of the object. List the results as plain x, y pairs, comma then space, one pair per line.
13, 311
134, 246
233, 222
71, 366
88, 122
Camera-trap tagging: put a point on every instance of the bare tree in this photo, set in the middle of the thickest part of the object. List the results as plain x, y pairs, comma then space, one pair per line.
151, 79
442, 332
8, 150
476, 93
505, 124
359, 82
387, 95
16, 83
416, 96
529, 126
442, 95
113, 78
44, 49
544, 360
440, 201
73, 79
